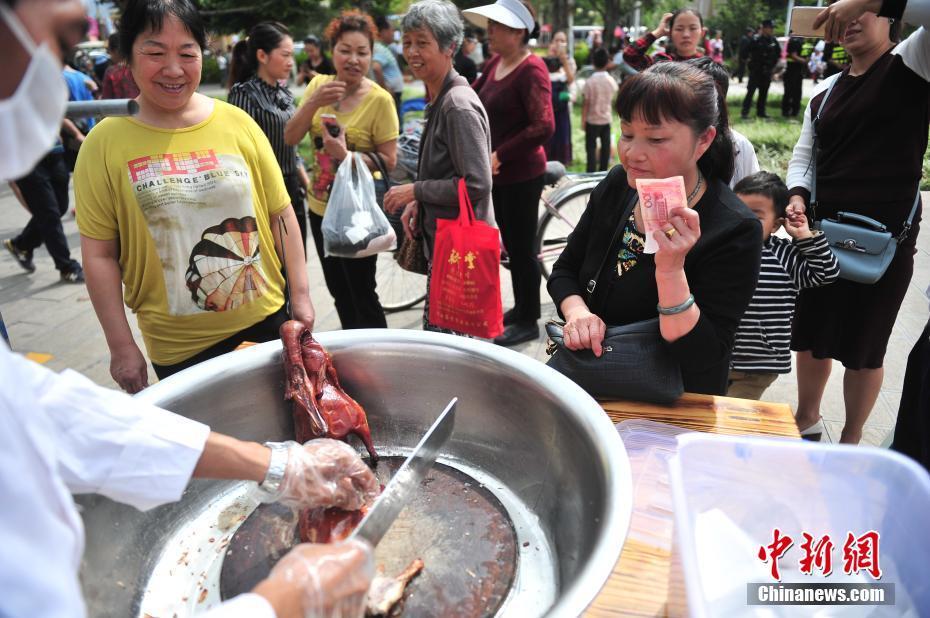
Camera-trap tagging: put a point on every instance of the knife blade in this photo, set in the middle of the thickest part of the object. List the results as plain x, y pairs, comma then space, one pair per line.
405, 482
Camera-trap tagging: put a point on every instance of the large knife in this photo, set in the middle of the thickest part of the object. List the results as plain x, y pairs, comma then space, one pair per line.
405, 482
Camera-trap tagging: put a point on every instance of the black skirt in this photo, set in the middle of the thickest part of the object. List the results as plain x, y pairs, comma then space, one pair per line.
852, 322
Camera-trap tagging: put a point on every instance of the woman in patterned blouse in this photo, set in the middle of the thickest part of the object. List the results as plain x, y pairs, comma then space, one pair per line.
685, 31
258, 91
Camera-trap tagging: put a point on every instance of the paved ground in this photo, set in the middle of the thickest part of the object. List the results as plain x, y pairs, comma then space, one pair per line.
46, 317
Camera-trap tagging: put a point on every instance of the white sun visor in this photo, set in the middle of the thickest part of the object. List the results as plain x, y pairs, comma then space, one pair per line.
511, 13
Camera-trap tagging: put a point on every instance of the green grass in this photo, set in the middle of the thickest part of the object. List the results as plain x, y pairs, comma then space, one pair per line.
773, 138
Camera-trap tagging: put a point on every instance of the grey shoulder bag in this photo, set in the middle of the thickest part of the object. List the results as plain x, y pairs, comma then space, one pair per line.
863, 246
636, 362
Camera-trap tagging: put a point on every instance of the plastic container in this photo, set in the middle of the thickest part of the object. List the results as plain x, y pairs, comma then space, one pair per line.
649, 446
730, 493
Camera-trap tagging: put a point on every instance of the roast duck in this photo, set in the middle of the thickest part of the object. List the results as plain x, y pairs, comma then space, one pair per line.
321, 409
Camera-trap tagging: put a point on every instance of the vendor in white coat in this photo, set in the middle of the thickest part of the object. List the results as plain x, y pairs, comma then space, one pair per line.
61, 434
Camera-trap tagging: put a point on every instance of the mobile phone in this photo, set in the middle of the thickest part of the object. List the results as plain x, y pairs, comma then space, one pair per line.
802, 21
331, 124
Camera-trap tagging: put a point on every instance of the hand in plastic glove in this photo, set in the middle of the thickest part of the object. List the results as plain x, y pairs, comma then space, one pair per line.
315, 580
325, 472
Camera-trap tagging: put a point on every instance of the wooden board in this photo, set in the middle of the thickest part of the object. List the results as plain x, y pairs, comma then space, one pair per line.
639, 584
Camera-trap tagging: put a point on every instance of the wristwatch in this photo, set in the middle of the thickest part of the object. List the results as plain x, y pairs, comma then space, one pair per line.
270, 488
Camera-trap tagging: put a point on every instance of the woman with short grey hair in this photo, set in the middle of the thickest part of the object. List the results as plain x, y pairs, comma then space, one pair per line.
456, 141
441, 18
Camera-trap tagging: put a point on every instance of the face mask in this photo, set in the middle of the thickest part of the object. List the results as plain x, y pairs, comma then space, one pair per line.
30, 119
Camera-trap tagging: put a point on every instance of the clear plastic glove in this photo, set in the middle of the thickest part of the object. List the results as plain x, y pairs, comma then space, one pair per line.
327, 473
333, 578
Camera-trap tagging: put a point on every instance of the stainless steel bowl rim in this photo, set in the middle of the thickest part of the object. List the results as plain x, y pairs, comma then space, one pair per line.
591, 417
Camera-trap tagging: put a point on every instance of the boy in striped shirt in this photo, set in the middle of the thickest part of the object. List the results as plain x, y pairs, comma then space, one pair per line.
762, 350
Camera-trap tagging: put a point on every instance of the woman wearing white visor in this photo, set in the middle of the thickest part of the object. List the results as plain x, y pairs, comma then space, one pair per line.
517, 95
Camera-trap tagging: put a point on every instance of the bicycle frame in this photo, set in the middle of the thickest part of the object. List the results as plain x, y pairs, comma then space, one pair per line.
579, 184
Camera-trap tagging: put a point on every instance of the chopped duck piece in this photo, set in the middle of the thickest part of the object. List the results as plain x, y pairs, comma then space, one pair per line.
386, 592
328, 525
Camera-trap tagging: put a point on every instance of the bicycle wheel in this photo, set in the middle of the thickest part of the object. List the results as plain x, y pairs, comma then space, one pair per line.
397, 288
558, 220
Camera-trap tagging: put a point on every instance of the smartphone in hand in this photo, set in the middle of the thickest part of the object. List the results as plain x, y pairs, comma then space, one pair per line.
802, 21
331, 124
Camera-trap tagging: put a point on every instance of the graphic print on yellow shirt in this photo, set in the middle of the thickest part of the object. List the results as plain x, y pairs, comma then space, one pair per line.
198, 207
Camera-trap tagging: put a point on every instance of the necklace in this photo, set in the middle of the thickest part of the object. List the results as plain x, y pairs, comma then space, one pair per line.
697, 187
348, 94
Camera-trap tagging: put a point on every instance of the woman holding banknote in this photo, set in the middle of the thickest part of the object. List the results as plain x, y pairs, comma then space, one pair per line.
703, 273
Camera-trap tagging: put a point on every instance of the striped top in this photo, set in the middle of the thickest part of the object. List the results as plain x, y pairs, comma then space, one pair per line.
271, 107
763, 338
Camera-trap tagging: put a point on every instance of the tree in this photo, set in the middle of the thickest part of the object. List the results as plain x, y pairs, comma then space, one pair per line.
734, 16
231, 16
613, 13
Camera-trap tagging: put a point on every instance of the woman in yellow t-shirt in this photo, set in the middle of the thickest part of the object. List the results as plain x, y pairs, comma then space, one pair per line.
367, 122
181, 207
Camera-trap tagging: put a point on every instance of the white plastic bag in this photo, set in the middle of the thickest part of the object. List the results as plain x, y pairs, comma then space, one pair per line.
354, 226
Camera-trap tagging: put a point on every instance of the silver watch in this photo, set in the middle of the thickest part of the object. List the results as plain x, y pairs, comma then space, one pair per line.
270, 488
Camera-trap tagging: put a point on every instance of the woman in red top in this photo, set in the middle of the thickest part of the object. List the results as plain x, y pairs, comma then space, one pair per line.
117, 81
515, 90
685, 31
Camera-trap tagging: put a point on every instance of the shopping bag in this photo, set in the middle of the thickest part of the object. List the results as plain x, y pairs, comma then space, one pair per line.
354, 226
465, 286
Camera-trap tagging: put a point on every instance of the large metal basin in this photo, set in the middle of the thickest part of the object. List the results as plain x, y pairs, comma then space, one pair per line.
553, 456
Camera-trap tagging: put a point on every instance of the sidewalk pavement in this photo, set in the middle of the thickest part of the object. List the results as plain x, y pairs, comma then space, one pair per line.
56, 322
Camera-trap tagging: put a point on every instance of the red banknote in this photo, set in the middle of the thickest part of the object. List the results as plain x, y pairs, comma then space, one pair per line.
657, 198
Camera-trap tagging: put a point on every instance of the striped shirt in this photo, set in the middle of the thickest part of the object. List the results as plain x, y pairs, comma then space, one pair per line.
270, 107
763, 339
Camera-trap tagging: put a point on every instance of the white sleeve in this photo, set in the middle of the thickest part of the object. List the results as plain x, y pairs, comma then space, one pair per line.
915, 49
249, 605
114, 445
800, 170
745, 161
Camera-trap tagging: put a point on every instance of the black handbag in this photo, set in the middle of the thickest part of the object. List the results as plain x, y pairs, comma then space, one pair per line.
863, 246
636, 362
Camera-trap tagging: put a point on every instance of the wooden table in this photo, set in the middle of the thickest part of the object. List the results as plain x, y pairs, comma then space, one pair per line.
639, 584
